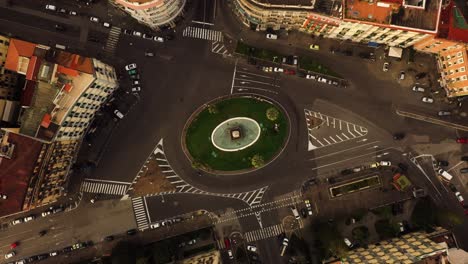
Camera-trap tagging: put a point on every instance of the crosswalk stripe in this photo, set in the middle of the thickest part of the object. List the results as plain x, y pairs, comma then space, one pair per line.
140, 213
104, 188
202, 33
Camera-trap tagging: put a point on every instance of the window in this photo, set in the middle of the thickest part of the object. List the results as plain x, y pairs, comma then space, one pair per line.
464, 77
462, 69
459, 54
460, 60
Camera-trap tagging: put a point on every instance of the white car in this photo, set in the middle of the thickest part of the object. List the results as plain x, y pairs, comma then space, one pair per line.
10, 255
137, 34
277, 69
285, 241
310, 76
118, 114
3, 196
130, 66
29, 218
158, 39
271, 36
136, 82
46, 213
385, 163
402, 75
252, 248
106, 24
136, 89
17, 221
459, 197
348, 243
401, 226
94, 19
418, 89
53, 254
428, 100
386, 65
51, 7
321, 79
230, 254
155, 225
73, 13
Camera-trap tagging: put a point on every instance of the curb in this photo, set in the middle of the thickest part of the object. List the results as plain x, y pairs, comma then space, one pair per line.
431, 120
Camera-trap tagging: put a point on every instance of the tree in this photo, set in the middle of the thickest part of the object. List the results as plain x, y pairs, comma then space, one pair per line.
329, 241
272, 113
385, 229
424, 215
360, 233
257, 161
212, 109
299, 249
241, 255
123, 253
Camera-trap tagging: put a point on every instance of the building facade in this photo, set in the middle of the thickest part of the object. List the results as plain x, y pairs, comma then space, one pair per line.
153, 13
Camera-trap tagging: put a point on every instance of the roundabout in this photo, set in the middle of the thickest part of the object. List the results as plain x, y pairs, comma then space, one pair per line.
235, 134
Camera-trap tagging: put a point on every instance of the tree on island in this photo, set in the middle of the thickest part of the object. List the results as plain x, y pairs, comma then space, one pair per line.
272, 113
258, 161
212, 109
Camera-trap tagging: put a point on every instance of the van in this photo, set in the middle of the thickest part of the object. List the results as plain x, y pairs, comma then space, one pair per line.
271, 36
62, 47
51, 7
295, 212
445, 175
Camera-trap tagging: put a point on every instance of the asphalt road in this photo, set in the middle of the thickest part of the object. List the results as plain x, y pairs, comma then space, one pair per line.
184, 75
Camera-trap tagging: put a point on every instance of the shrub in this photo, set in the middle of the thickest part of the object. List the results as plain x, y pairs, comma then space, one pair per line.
272, 113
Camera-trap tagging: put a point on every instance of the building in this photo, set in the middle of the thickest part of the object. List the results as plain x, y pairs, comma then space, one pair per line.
210, 257
60, 95
153, 13
9, 82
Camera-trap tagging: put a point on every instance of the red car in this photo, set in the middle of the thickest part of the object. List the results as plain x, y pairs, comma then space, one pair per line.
462, 140
289, 72
227, 243
14, 245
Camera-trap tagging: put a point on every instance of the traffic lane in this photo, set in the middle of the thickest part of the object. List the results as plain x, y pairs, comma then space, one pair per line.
170, 205
269, 250
205, 11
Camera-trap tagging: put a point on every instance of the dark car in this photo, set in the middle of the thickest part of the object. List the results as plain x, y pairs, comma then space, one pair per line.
464, 158
169, 37
131, 232
420, 75
67, 249
109, 238
301, 74
442, 163
398, 136
42, 256
303, 212
42, 233
464, 170
346, 171
57, 210
59, 27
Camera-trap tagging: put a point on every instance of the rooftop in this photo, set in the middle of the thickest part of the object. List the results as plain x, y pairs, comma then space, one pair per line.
419, 15
287, 2
16, 172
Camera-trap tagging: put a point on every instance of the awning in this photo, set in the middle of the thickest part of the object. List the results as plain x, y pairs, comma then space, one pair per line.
395, 52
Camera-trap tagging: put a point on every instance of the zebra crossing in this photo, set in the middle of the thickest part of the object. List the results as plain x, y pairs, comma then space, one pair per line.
202, 33
219, 48
345, 130
252, 198
104, 187
139, 210
264, 233
112, 40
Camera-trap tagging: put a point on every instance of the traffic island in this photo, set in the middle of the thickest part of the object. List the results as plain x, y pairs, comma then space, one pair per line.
235, 134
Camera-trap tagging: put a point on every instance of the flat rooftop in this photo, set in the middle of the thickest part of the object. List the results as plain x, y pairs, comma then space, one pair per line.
395, 12
288, 2
16, 172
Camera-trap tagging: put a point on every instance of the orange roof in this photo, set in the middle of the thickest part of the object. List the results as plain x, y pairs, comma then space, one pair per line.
16, 49
68, 87
67, 71
46, 121
33, 68
75, 62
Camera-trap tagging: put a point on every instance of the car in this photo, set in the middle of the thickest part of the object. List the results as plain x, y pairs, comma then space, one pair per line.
230, 255
462, 140
348, 242
127, 31
57, 209
76, 246
290, 72
17, 221
386, 66
147, 36
444, 113
93, 39
459, 197
402, 75
42, 256
428, 100
267, 69
418, 89
73, 13
442, 163
136, 82
398, 136
46, 213
53, 253
131, 232
303, 212
271, 36
464, 170
357, 169
133, 72
67, 249
314, 47
301, 74
385, 163
346, 171
106, 24
401, 227
403, 167
14, 245
158, 39
3, 196
59, 27
310, 76
169, 37
227, 243
155, 226
136, 89
285, 241
94, 19
420, 75
130, 66
308, 206
118, 114
29, 218
51, 7
135, 76
42, 232
418, 192
295, 212
63, 11
109, 238
277, 69
149, 54
192, 242
10, 254
251, 248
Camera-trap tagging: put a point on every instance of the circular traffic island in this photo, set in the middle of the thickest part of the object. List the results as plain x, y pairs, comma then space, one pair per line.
235, 134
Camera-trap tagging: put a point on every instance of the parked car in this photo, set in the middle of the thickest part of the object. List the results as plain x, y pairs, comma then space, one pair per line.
308, 206
271, 36
29, 218
17, 221
230, 255
46, 213
348, 242
10, 254
14, 245
398, 136
289, 72
73, 13
63, 11
51, 7
428, 100
401, 227
53, 253
147, 36
94, 19
137, 34
158, 39
310, 76
385, 163
136, 89
277, 69
418, 89
127, 32
462, 140
459, 197
130, 66
303, 212
57, 209
402, 75
59, 27
444, 113
149, 54
118, 114
252, 248
386, 66
420, 75
464, 170
155, 226
227, 243
106, 24
3, 196
442, 163
131, 232
136, 82
109, 238
314, 47
42, 233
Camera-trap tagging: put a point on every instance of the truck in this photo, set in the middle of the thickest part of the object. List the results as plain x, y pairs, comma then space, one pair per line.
445, 175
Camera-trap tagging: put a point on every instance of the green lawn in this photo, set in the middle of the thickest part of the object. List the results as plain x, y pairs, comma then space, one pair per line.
355, 186
309, 64
198, 134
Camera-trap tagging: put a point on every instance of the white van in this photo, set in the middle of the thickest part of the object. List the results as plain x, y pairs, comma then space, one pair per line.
51, 7
271, 36
445, 175
295, 212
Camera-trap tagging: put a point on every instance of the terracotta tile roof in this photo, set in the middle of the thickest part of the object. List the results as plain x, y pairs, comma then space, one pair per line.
27, 93
75, 62
458, 29
16, 49
15, 173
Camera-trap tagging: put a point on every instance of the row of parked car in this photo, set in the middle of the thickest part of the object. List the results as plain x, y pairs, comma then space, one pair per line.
314, 77
51, 210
